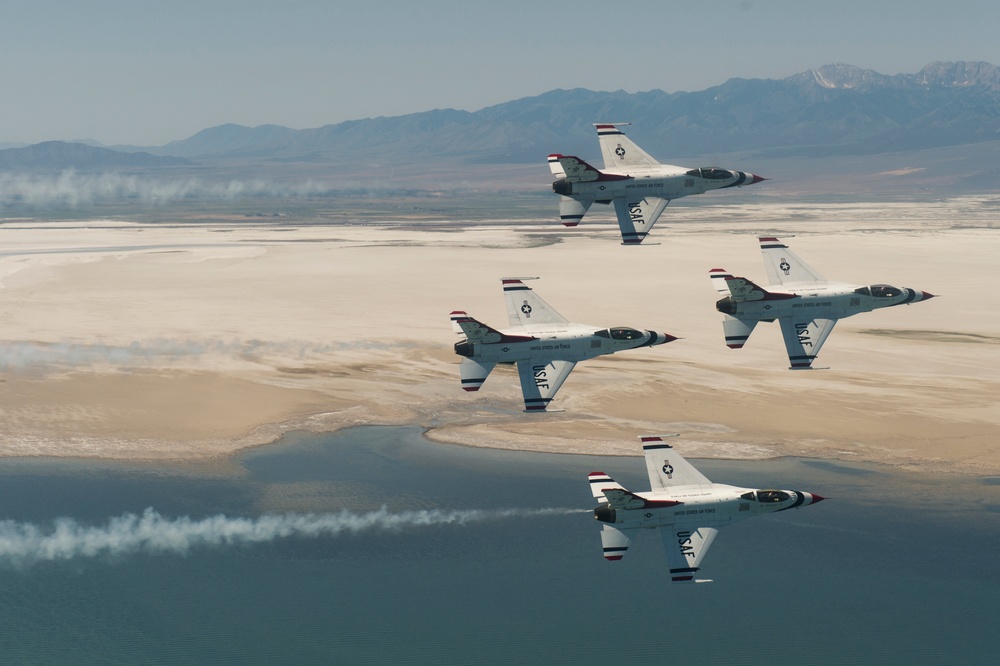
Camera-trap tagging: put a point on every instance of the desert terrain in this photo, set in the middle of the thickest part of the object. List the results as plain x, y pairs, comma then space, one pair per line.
174, 340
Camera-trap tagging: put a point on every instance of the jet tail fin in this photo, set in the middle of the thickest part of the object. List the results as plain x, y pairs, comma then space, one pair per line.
619, 151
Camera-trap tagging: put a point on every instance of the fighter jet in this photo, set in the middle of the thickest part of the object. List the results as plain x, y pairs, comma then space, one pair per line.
688, 507
638, 185
806, 305
540, 341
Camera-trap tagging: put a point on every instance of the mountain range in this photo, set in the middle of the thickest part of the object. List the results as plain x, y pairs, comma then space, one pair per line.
833, 110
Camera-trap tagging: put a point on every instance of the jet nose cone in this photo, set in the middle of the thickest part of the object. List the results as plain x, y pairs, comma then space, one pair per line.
754, 179
926, 295
659, 338
816, 498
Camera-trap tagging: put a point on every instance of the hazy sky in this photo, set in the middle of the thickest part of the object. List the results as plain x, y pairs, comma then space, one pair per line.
145, 73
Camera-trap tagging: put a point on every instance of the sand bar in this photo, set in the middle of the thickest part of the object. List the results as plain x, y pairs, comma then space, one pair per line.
158, 341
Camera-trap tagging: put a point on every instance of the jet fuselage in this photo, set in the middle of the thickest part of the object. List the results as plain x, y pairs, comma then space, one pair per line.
822, 301
714, 505
573, 342
666, 182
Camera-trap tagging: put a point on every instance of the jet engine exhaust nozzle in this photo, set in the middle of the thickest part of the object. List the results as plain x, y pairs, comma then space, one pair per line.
563, 187
605, 514
726, 305
464, 348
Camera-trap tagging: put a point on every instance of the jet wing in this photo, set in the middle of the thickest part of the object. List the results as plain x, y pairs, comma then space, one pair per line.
619, 151
525, 307
666, 467
803, 339
686, 548
540, 379
783, 265
637, 217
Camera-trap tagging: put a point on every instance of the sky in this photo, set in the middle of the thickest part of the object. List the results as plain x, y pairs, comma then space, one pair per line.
146, 72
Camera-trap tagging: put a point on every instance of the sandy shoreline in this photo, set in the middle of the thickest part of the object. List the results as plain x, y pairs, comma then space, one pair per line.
145, 341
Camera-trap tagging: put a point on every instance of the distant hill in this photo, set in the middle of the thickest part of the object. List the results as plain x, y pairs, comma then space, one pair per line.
834, 110
838, 128
59, 155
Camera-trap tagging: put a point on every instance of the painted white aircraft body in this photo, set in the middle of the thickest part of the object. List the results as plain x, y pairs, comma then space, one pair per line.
540, 341
687, 507
805, 305
639, 187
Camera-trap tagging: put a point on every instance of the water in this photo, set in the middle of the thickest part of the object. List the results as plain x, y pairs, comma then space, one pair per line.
893, 569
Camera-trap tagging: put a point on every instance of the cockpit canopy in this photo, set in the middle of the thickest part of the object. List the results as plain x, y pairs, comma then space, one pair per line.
711, 173
766, 496
620, 333
879, 291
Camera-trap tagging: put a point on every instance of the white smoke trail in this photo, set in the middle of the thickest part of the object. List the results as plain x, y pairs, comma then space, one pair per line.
38, 356
73, 189
24, 544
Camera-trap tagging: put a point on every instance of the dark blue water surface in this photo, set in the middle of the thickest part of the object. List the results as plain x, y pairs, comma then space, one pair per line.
896, 568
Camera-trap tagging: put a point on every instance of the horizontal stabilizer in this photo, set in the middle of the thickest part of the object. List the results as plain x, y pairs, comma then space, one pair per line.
615, 542
719, 277
737, 331
455, 316
571, 210
474, 373
619, 498
579, 171
599, 482
474, 330
743, 289
556, 167
480, 333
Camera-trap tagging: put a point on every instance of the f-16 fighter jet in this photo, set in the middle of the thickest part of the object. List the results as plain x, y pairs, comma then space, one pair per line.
687, 507
806, 305
638, 185
540, 341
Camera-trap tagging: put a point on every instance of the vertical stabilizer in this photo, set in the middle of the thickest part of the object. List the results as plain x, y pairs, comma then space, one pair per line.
620, 152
